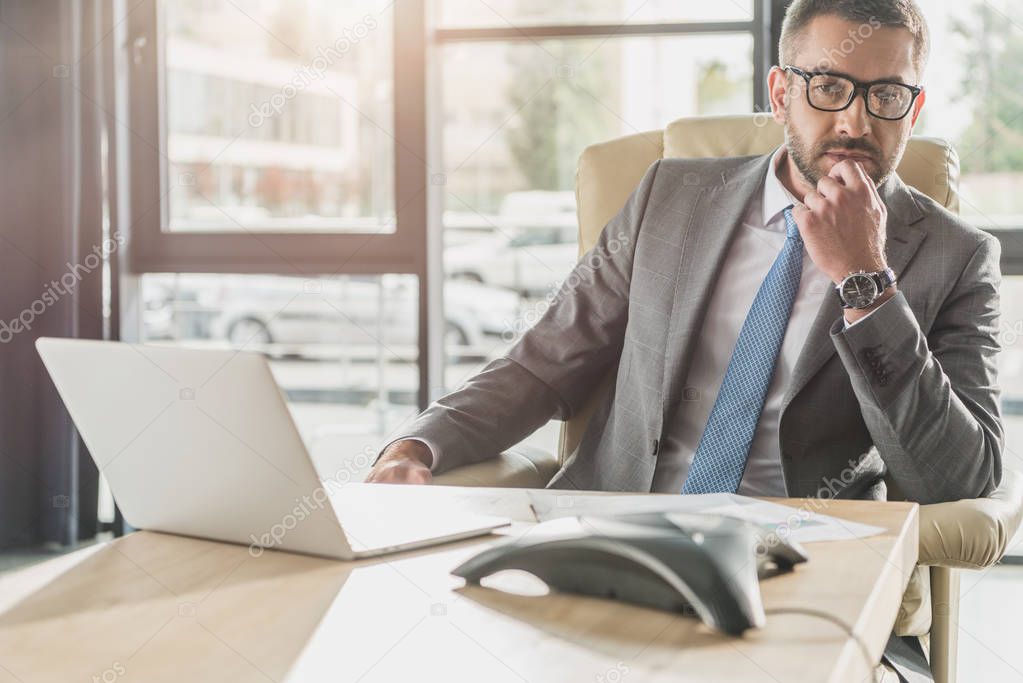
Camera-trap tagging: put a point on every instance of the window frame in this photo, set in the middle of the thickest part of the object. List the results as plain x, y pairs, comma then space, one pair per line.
155, 249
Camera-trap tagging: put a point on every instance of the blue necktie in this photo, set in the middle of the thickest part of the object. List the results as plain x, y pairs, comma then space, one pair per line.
720, 458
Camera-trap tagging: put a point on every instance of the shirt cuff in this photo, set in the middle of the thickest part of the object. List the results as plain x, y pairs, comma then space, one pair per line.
428, 444
850, 324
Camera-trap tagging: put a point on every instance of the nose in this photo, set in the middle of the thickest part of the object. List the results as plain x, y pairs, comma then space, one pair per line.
853, 121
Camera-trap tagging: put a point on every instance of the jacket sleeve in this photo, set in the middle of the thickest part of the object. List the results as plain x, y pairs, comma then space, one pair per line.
550, 370
931, 402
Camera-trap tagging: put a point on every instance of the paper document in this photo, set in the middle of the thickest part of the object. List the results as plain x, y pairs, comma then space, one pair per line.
802, 524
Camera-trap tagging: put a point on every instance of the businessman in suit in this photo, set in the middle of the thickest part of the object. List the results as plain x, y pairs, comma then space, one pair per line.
796, 324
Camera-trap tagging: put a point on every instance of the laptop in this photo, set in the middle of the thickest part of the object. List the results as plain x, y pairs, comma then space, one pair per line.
201, 443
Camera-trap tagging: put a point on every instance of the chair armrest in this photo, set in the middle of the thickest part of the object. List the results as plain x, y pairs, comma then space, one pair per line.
972, 534
521, 466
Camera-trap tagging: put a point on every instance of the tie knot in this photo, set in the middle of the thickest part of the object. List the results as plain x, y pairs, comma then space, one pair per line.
791, 229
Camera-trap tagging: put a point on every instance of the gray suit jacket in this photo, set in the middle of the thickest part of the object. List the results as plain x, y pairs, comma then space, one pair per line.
910, 391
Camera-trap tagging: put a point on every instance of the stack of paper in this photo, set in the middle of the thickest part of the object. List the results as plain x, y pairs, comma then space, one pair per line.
804, 524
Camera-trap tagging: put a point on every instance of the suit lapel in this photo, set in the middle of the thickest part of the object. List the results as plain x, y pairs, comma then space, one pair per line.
903, 242
712, 223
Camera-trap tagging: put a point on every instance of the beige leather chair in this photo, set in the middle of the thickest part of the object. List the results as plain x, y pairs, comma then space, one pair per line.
968, 534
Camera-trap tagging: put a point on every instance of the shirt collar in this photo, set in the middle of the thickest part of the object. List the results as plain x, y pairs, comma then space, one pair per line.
775, 197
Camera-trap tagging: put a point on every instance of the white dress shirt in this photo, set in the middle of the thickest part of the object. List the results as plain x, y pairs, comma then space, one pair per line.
750, 256
752, 253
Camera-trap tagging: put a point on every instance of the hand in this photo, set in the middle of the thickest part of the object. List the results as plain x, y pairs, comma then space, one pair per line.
403, 462
843, 222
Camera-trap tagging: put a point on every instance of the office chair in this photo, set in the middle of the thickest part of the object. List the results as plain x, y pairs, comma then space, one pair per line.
966, 534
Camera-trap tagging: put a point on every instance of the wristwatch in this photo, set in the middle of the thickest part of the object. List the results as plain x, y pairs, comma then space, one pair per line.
861, 289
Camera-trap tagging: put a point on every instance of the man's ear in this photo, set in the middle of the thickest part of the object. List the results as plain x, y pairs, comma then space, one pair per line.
917, 106
777, 84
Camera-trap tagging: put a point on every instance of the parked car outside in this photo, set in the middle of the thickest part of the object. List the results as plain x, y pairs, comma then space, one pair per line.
531, 262
289, 315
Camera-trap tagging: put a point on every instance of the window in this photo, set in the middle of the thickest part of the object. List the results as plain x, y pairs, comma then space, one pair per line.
549, 99
509, 159
559, 77
279, 137
278, 116
287, 141
973, 83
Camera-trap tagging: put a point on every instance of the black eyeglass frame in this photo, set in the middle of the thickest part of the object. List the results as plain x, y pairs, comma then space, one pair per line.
858, 86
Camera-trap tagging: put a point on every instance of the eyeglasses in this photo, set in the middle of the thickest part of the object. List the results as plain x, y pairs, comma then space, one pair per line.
888, 100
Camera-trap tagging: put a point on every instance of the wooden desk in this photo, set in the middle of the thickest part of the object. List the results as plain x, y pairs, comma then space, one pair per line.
152, 607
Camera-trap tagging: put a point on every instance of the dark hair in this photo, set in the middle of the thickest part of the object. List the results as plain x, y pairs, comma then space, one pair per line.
871, 13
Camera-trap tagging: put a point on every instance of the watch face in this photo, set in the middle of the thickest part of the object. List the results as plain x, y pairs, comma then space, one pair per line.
859, 290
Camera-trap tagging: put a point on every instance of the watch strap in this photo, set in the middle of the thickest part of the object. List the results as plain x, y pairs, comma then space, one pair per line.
884, 279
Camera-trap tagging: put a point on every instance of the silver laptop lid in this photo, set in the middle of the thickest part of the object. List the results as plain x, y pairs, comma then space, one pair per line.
193, 442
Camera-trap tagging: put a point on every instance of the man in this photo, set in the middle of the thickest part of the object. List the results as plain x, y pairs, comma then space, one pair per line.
739, 367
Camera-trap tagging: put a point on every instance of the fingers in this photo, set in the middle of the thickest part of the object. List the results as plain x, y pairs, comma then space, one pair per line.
852, 175
869, 182
849, 172
828, 187
800, 215
814, 201
860, 176
847, 176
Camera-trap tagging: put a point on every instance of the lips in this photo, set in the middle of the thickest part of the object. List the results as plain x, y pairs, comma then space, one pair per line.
840, 155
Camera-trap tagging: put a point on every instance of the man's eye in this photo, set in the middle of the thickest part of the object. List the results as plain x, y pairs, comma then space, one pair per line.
832, 88
886, 96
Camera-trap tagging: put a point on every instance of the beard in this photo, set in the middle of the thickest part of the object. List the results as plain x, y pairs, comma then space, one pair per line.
806, 156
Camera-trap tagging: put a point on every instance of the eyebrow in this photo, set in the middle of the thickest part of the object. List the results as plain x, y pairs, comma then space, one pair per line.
883, 79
